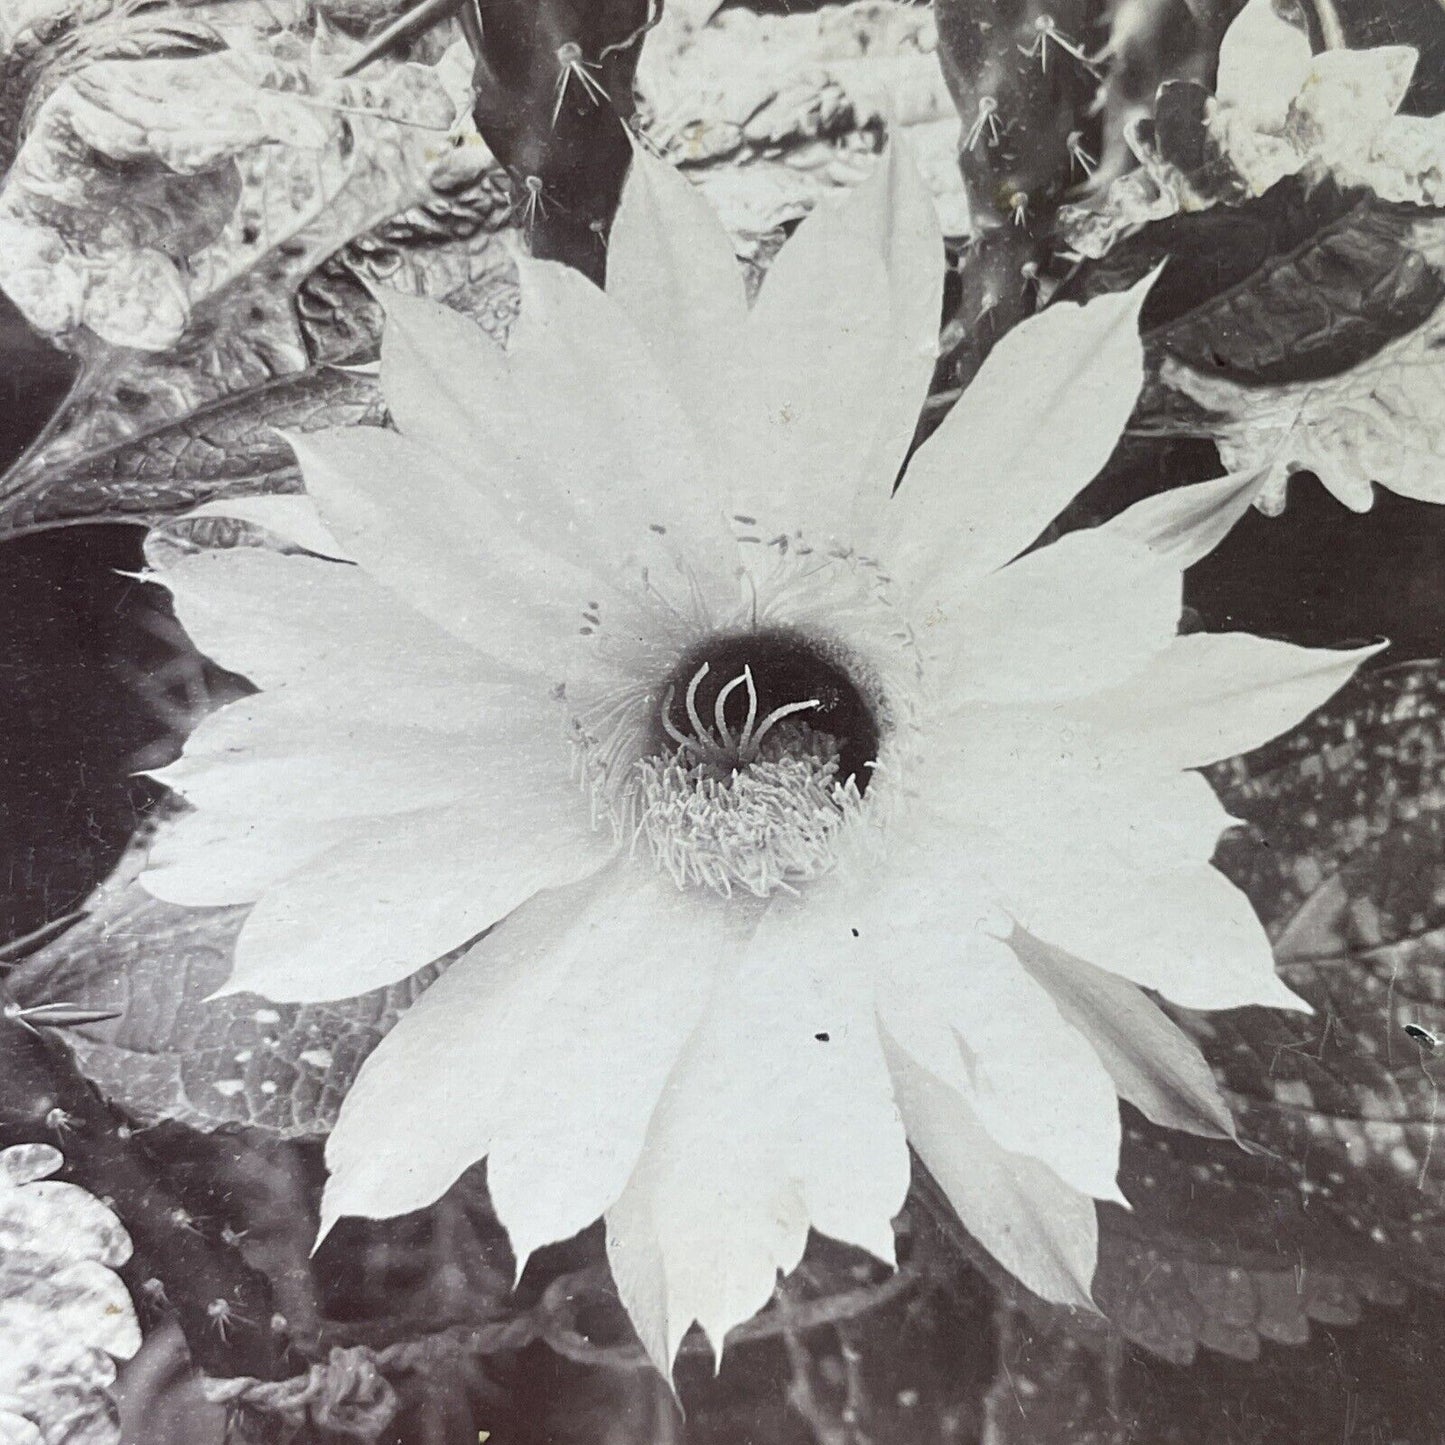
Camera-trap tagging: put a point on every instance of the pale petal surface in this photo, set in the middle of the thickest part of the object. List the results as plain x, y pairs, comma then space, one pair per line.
547, 1045
742, 1159
1042, 1231
1040, 419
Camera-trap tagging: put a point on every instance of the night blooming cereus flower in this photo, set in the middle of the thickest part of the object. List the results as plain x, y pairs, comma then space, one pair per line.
806, 821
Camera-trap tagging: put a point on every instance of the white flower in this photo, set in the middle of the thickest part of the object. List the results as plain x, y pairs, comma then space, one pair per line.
65, 1316
1282, 111
806, 821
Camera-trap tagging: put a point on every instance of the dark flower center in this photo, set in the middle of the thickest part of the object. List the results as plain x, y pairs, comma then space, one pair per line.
769, 680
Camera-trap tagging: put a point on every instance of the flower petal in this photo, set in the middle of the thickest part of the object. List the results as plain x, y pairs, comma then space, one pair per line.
444, 379
210, 860
779, 1114
614, 464
1154, 1064
672, 269
564, 1023
1043, 1232
895, 208
440, 543
1188, 933
403, 892
818, 338
962, 1006
242, 762
1188, 523
573, 435
1091, 610
289, 754
1214, 695
289, 518
1015, 785
302, 622
1037, 423
1263, 61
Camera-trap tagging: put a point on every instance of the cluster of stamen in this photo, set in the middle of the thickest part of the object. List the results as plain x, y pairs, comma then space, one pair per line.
755, 808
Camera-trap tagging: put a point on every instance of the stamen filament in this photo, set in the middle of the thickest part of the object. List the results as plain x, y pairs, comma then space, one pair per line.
701, 732
671, 728
720, 706
747, 732
776, 716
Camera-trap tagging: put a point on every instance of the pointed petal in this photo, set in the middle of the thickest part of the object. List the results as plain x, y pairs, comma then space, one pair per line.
895, 209
963, 1007
1188, 523
563, 1023
302, 622
671, 268
1027, 790
441, 545
818, 338
1038, 422
291, 518
1089, 611
1154, 1064
1188, 933
614, 464
444, 379
1044, 1233
243, 763
574, 1110
857, 1169
778, 1115
302, 754
207, 860
573, 434
1263, 61
401, 893
1214, 695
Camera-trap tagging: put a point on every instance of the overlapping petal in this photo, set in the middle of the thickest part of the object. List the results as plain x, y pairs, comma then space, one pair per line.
301, 622
1043, 1232
1037, 423
671, 268
546, 1048
962, 1006
604, 477
1186, 932
205, 860
442, 542
1214, 695
1093, 608
778, 1116
1154, 1064
402, 891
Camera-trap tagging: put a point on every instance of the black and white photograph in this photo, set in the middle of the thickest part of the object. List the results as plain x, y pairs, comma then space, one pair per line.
723, 722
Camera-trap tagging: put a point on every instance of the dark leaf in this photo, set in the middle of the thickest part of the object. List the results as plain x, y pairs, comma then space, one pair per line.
1344, 1201
1302, 283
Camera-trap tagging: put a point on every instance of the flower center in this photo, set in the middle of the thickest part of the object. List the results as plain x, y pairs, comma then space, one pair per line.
762, 750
